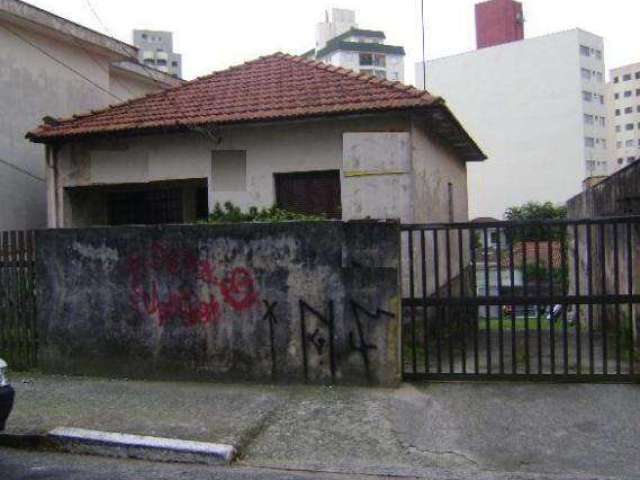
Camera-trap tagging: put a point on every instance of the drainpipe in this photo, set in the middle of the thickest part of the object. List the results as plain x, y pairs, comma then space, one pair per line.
51, 155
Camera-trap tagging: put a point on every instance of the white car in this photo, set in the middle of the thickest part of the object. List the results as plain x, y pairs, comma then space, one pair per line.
7, 395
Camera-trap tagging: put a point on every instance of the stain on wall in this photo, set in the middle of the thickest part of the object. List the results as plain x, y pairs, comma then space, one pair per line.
312, 302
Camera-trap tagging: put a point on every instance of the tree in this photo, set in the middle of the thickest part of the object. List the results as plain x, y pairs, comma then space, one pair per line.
535, 212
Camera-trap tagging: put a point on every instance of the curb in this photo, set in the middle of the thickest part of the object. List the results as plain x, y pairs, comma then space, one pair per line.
120, 445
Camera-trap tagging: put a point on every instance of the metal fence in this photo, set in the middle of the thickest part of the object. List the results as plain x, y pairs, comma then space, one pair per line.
18, 334
554, 300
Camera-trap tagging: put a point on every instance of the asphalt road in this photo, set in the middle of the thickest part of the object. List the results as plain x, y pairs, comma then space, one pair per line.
29, 465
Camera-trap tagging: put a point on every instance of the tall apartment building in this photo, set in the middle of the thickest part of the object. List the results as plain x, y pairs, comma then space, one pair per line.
499, 22
623, 98
340, 42
155, 49
537, 108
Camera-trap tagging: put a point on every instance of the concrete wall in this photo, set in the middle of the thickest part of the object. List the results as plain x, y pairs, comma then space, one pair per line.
617, 196
523, 103
284, 302
390, 167
32, 85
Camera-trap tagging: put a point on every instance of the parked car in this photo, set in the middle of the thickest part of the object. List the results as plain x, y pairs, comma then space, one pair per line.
7, 395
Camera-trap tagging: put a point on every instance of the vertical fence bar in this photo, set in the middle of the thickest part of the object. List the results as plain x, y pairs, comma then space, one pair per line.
525, 292
487, 310
425, 317
538, 313
13, 345
564, 288
438, 319
576, 268
603, 312
449, 291
512, 280
552, 324
499, 286
616, 291
631, 340
476, 317
590, 293
462, 322
412, 308
21, 318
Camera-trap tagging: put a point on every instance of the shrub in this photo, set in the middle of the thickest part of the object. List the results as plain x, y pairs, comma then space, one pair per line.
229, 213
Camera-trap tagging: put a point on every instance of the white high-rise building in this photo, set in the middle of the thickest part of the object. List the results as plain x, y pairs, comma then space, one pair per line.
340, 42
537, 108
623, 98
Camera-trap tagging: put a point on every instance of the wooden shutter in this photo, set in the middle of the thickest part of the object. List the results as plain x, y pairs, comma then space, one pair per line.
310, 192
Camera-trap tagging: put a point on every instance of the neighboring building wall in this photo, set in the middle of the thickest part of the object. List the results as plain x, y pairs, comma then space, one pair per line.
381, 161
532, 120
618, 195
623, 98
34, 85
314, 302
499, 22
336, 23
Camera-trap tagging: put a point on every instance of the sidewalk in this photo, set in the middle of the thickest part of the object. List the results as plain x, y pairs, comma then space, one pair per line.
565, 430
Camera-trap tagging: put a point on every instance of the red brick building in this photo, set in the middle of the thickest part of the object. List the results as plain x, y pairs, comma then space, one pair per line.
498, 22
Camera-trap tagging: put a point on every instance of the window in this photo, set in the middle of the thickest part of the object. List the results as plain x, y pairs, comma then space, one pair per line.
618, 128
599, 77
149, 61
628, 127
616, 80
588, 119
620, 161
626, 77
229, 170
589, 142
637, 75
174, 64
585, 51
628, 93
309, 192
617, 112
628, 110
629, 143
599, 54
638, 109
603, 121
603, 143
616, 96
637, 92
630, 159
162, 62
144, 36
618, 144
372, 59
601, 98
586, 74
587, 96
148, 207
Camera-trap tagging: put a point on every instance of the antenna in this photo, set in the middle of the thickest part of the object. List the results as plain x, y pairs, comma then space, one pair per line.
424, 59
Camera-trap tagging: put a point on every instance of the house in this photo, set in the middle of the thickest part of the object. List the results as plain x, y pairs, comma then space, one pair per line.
281, 129
51, 66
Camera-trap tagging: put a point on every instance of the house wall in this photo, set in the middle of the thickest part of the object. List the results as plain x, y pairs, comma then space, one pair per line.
316, 302
374, 154
523, 103
33, 85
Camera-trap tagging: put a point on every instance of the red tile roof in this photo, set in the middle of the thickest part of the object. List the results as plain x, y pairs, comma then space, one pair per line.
275, 87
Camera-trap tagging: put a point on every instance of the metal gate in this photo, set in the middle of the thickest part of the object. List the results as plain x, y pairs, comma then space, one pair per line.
18, 334
549, 300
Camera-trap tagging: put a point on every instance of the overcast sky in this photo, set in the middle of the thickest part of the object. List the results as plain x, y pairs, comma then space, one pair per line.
215, 34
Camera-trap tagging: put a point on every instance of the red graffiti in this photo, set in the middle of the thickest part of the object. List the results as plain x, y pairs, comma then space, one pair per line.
192, 306
238, 289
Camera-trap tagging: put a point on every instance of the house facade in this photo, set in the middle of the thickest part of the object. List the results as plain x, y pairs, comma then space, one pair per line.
303, 135
50, 66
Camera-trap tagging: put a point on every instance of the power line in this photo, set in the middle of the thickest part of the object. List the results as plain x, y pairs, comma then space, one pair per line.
63, 64
21, 170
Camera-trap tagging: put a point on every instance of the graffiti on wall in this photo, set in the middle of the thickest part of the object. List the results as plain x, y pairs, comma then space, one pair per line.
320, 340
156, 289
